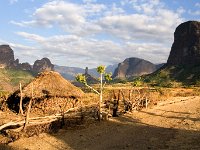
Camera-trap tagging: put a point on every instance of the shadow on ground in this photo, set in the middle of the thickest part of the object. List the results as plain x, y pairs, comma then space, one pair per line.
124, 132
116, 134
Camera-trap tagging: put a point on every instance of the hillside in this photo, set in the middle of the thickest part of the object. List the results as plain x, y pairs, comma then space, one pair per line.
183, 64
173, 76
12, 72
10, 79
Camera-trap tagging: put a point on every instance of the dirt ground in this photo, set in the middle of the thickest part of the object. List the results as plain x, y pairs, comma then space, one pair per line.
174, 124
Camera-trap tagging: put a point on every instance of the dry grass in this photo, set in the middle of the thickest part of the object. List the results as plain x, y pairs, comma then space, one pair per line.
51, 94
51, 84
153, 94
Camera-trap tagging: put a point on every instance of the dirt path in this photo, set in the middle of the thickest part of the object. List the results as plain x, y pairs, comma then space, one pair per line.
168, 126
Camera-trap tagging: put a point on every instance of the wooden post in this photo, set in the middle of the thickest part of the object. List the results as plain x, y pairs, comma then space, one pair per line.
124, 101
21, 98
82, 114
146, 102
130, 95
119, 95
101, 96
29, 108
123, 96
114, 95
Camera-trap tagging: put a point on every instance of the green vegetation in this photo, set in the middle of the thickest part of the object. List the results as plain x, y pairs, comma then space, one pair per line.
122, 81
107, 77
10, 78
174, 76
17, 76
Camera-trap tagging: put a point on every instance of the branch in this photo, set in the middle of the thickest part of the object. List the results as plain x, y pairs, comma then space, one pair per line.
11, 124
104, 84
92, 89
36, 120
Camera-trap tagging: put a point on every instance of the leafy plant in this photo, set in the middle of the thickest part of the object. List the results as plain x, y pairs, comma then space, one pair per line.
107, 77
137, 82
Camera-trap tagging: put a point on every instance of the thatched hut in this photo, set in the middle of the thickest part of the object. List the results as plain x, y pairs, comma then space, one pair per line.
50, 93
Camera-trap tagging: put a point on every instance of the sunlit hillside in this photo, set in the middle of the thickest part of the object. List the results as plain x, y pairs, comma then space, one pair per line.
10, 79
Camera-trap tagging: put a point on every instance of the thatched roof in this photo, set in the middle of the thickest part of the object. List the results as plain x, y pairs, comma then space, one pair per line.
51, 84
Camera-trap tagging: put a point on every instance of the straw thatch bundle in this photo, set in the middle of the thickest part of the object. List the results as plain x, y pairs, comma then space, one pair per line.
50, 92
51, 84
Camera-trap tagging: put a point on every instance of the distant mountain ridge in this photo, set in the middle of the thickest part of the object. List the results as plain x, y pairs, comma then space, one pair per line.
70, 72
8, 61
134, 67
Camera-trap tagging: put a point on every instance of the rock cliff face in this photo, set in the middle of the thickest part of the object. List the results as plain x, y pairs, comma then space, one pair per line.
7, 60
25, 66
6, 56
184, 60
89, 78
43, 65
133, 67
186, 47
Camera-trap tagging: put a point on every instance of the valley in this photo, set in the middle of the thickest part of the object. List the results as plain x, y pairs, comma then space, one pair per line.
139, 105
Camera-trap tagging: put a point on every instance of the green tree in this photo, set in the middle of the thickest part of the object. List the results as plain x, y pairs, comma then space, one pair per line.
107, 77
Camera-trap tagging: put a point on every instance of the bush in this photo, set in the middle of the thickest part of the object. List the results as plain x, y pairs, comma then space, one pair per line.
123, 81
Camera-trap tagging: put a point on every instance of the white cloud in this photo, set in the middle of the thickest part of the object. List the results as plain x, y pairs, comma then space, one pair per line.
62, 13
146, 31
142, 27
114, 10
152, 22
78, 19
24, 53
32, 37
89, 1
93, 9
180, 10
197, 5
195, 13
67, 15
76, 51
13, 1
70, 17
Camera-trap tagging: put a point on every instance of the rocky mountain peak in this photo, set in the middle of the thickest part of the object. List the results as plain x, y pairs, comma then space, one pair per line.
186, 47
43, 65
86, 70
7, 60
89, 78
133, 67
6, 56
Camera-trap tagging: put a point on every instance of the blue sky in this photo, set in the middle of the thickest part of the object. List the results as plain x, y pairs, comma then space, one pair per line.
84, 33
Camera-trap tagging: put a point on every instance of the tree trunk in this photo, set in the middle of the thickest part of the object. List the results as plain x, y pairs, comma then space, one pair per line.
101, 97
20, 103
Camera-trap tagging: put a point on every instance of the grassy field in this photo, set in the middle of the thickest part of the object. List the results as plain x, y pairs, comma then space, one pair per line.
10, 79
175, 76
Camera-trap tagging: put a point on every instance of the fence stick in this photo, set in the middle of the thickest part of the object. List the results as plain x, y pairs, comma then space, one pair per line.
29, 108
21, 98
